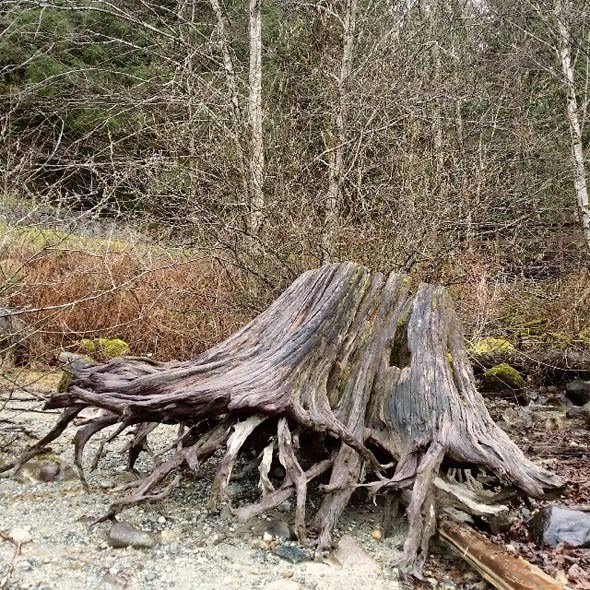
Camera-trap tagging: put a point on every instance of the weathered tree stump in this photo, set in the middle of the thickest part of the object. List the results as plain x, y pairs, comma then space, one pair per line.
357, 360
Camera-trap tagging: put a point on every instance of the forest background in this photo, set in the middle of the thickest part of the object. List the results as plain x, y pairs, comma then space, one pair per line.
168, 167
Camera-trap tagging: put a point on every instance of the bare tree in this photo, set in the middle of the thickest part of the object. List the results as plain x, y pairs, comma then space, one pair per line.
337, 138
565, 57
255, 106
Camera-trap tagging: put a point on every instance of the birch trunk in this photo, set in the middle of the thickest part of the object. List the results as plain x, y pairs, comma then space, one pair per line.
337, 143
565, 58
255, 106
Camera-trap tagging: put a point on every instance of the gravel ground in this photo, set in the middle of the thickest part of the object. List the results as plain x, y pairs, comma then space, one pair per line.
195, 547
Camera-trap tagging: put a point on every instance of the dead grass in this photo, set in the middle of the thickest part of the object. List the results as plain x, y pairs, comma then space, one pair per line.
168, 303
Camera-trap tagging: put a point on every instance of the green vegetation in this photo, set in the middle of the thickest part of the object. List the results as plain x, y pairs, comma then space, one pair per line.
104, 347
492, 347
501, 377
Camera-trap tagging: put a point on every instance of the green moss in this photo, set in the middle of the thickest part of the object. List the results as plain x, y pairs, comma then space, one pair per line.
491, 347
64, 382
501, 377
103, 347
113, 347
86, 345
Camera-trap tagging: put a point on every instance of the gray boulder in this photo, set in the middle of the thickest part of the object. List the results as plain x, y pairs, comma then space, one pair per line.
578, 392
553, 525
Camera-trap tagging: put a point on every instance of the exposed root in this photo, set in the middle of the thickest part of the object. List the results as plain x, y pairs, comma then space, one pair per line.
242, 430
379, 375
264, 484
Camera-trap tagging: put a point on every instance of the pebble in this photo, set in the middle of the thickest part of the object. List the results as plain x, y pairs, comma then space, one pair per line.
123, 534
291, 553
20, 535
376, 534
267, 537
278, 529
161, 520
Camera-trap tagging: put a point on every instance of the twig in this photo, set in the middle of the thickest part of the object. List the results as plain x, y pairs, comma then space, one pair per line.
17, 551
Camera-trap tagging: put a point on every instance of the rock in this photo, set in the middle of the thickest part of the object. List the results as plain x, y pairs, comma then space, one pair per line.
291, 553
351, 555
578, 392
283, 585
554, 524
123, 534
20, 535
49, 469
492, 347
502, 377
161, 520
113, 581
279, 529
376, 534
266, 537
14, 336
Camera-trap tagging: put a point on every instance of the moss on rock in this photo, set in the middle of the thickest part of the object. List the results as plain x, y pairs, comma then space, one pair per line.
103, 347
492, 347
501, 377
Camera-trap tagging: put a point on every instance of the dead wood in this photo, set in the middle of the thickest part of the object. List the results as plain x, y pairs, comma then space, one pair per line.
501, 568
348, 376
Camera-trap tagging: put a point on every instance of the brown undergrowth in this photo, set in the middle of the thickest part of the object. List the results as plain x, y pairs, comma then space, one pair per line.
165, 303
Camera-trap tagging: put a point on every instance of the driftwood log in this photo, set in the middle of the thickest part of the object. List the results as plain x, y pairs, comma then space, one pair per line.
348, 377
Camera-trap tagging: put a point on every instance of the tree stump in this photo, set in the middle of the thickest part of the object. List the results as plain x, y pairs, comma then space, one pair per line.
348, 376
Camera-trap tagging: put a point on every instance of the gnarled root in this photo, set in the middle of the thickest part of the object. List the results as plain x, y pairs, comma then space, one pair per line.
378, 376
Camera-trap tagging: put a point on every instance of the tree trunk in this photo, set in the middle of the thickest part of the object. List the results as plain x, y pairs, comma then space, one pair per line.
564, 53
255, 104
337, 135
347, 375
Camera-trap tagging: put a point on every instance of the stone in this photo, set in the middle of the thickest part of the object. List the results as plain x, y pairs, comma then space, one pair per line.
350, 554
578, 392
553, 525
291, 553
279, 529
492, 347
123, 534
20, 535
266, 537
113, 581
376, 534
503, 377
283, 585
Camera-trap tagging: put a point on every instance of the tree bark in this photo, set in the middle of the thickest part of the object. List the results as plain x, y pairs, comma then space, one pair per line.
580, 184
337, 135
255, 104
348, 376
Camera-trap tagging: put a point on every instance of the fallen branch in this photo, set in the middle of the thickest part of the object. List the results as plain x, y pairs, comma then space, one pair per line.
501, 568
